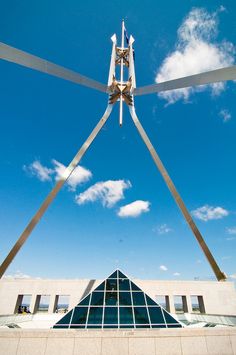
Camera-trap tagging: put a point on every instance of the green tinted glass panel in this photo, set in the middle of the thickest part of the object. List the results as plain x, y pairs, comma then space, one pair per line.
95, 315
100, 287
97, 298
94, 326
111, 326
124, 285
113, 276
141, 316
138, 299
121, 275
158, 326
111, 315
124, 298
156, 315
177, 325
169, 318
78, 326
143, 326
111, 298
111, 285
80, 315
150, 302
134, 287
85, 301
126, 315
126, 326
104, 301
65, 319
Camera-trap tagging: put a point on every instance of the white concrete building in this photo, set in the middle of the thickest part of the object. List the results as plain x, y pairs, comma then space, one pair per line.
215, 298
198, 305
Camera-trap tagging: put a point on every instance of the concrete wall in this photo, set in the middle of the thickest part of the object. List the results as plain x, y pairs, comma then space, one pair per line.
218, 297
221, 341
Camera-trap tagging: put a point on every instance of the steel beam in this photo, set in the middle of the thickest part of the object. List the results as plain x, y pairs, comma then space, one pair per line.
49, 199
218, 273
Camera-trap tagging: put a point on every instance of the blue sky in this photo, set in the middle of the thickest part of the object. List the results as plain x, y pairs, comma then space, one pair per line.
44, 121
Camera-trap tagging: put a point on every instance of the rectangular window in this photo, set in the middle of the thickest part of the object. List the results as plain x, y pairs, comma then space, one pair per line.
23, 304
61, 304
197, 304
180, 303
163, 301
43, 303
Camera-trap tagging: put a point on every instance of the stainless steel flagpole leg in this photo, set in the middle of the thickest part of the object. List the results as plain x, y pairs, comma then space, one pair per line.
218, 273
68, 171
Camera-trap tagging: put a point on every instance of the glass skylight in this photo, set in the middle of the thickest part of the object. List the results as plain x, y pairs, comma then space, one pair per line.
117, 303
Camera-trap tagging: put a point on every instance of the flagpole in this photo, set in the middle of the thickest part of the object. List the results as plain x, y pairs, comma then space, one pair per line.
121, 73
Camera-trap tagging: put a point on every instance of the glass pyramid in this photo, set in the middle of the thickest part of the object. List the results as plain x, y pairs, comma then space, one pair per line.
117, 303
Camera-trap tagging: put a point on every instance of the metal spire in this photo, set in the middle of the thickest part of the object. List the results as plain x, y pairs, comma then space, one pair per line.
122, 72
118, 91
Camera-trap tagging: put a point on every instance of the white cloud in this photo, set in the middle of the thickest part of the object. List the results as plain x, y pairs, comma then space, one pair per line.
163, 229
108, 192
230, 238
231, 230
37, 169
134, 209
206, 213
78, 176
17, 275
233, 276
225, 115
196, 52
163, 268
176, 274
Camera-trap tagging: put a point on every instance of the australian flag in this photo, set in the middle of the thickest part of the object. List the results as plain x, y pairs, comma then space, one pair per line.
126, 36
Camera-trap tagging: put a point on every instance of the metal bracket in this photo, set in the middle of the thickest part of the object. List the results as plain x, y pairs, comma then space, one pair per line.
122, 53
121, 91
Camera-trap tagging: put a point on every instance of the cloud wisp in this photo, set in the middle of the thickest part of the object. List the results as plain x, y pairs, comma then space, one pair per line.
207, 213
176, 274
39, 171
163, 268
231, 230
162, 229
107, 192
196, 51
134, 209
225, 115
17, 275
